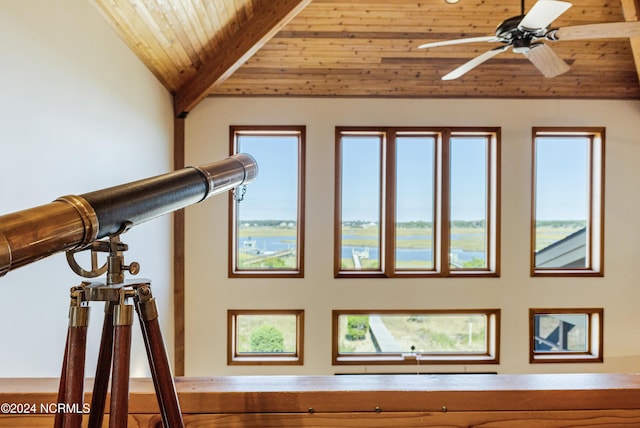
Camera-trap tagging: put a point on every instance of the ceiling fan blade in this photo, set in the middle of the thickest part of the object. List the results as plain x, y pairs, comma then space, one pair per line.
459, 41
609, 30
470, 65
543, 13
546, 60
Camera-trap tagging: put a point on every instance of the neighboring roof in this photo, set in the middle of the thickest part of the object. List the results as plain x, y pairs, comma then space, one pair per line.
567, 253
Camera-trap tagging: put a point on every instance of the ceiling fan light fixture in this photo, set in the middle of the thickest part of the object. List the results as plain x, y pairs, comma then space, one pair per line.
522, 45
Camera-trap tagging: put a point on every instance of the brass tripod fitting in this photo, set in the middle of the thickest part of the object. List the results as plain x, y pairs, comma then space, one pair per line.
78, 309
123, 312
78, 316
123, 315
146, 303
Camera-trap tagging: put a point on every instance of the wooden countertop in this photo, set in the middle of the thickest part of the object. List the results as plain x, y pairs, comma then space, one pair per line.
356, 393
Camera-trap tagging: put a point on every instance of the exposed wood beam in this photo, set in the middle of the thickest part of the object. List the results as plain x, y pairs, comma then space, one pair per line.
631, 10
178, 255
258, 30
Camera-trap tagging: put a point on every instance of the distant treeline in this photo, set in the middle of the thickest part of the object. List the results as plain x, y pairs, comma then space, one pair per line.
419, 224
480, 224
572, 224
268, 223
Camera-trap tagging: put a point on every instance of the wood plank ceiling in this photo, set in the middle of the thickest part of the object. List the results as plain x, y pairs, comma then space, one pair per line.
365, 48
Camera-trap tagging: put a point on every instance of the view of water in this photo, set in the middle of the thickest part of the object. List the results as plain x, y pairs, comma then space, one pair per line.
268, 244
420, 254
273, 244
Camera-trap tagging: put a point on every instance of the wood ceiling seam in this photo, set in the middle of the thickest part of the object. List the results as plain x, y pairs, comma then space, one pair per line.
193, 30
139, 18
146, 51
217, 25
207, 26
177, 45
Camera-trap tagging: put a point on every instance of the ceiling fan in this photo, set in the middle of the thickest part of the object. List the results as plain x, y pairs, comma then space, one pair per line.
525, 33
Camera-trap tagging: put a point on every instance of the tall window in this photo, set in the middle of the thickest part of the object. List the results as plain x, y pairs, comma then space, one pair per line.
267, 224
568, 190
362, 203
416, 201
415, 205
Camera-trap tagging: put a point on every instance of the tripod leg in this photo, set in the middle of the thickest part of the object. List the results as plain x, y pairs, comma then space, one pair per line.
103, 369
74, 376
119, 411
158, 361
58, 421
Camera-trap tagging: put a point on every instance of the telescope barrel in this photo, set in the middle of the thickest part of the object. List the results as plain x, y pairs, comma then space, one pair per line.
75, 221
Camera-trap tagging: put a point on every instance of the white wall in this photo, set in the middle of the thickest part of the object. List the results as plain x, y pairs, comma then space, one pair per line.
78, 112
209, 293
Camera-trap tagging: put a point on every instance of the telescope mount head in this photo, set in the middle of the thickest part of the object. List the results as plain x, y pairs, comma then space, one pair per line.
114, 266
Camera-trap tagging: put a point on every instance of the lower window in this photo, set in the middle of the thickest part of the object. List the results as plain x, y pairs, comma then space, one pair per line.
259, 337
565, 335
416, 337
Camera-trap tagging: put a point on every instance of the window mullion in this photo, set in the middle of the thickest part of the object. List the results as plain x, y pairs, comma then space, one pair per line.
337, 216
494, 202
444, 206
489, 214
389, 198
590, 204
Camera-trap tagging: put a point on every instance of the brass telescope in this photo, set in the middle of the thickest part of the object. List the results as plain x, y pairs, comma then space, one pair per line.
75, 221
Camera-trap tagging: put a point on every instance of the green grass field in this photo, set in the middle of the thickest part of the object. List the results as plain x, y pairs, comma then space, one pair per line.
464, 238
426, 333
547, 235
247, 324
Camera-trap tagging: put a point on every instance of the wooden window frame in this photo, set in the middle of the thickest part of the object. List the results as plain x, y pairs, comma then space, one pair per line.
370, 273
235, 358
595, 339
595, 222
490, 356
271, 130
443, 137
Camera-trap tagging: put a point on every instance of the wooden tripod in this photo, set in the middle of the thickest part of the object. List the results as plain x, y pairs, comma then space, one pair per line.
115, 347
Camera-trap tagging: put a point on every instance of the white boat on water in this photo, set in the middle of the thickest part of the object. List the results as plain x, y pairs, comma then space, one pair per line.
250, 246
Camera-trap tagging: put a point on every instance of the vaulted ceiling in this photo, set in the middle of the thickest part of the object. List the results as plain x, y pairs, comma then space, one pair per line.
366, 48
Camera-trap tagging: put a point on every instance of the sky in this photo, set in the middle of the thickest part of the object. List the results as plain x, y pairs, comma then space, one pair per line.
415, 178
560, 178
273, 194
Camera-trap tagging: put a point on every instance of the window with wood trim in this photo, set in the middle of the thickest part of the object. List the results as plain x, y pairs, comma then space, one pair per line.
267, 224
265, 337
416, 337
567, 233
566, 335
416, 202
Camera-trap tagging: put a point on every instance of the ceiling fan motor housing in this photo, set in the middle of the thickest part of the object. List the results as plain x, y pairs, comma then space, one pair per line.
510, 32
522, 44
508, 28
